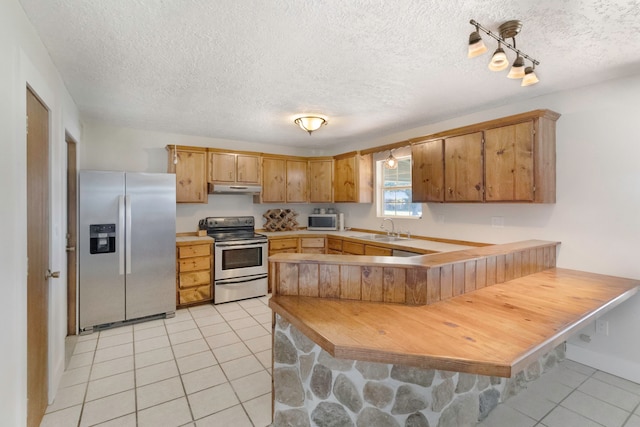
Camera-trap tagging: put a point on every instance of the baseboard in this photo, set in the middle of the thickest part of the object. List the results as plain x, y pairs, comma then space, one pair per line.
605, 362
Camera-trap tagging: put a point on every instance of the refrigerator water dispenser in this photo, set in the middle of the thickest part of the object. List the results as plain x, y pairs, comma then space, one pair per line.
102, 238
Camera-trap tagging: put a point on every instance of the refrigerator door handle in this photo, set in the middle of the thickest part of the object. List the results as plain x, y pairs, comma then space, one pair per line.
121, 234
128, 231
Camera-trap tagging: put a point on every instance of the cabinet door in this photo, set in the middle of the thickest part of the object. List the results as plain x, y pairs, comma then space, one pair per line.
463, 168
427, 171
191, 176
248, 169
274, 184
222, 167
377, 250
508, 154
345, 180
320, 181
296, 181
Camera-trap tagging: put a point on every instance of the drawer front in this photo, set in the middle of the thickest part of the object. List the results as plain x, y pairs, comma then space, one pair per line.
193, 264
377, 250
312, 242
196, 278
194, 250
313, 250
335, 244
278, 244
284, 251
197, 294
353, 248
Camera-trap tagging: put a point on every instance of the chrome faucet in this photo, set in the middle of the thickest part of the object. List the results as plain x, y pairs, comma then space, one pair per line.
393, 228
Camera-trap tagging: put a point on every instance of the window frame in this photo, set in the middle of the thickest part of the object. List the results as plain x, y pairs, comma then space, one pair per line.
380, 190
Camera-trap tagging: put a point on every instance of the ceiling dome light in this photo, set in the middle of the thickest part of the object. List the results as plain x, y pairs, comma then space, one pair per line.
310, 123
517, 69
476, 45
530, 77
499, 60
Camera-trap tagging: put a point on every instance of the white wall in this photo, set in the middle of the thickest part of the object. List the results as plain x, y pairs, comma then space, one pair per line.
115, 148
25, 61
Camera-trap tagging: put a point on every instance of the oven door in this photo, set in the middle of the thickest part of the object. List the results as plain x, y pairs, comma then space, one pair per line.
240, 258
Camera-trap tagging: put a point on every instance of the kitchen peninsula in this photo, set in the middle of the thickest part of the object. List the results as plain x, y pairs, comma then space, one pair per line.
433, 340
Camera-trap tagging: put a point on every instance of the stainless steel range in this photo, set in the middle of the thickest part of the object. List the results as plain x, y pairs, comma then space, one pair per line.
240, 258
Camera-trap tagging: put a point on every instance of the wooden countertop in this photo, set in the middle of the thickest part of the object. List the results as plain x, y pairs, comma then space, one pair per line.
193, 240
498, 330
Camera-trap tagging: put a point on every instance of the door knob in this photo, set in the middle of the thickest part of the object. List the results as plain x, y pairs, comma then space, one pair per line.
71, 248
49, 274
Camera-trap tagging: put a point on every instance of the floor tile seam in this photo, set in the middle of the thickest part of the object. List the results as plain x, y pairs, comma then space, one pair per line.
617, 386
581, 415
599, 400
112, 375
555, 405
135, 411
584, 415
184, 390
611, 403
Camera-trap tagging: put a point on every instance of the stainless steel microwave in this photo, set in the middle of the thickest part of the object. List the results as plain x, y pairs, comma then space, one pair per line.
324, 221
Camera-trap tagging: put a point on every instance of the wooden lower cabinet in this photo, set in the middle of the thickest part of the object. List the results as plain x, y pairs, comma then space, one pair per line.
352, 248
194, 267
312, 245
377, 250
287, 245
334, 246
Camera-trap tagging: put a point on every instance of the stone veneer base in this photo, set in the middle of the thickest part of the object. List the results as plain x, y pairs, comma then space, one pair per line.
311, 388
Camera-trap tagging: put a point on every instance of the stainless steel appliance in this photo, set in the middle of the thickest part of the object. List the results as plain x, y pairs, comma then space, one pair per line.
326, 221
240, 258
127, 247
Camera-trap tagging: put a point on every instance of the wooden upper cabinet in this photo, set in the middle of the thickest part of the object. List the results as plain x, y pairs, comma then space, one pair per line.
247, 169
353, 178
234, 168
463, 169
274, 180
508, 153
296, 181
427, 171
320, 179
191, 173
222, 167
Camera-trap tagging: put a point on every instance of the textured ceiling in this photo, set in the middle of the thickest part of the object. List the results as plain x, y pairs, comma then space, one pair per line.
240, 69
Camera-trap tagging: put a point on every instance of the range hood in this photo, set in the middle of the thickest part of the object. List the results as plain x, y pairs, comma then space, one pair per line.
234, 189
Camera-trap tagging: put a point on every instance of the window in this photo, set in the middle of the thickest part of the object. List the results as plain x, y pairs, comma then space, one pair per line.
394, 190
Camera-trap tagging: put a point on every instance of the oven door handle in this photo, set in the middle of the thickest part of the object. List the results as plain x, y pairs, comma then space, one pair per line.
241, 280
227, 245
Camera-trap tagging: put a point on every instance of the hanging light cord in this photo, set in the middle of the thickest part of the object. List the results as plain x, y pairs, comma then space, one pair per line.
504, 42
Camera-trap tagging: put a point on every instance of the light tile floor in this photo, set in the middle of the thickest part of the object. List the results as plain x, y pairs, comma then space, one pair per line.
211, 366
571, 395
207, 366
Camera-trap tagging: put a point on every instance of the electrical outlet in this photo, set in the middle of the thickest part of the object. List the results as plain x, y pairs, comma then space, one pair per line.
602, 327
497, 221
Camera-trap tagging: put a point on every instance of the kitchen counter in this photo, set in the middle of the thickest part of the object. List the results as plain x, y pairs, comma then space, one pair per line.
498, 330
187, 240
418, 244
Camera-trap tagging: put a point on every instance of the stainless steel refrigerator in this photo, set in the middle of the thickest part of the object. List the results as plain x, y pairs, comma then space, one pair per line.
127, 240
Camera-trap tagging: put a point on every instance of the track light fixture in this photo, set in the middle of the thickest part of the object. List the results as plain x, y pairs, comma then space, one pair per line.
499, 60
